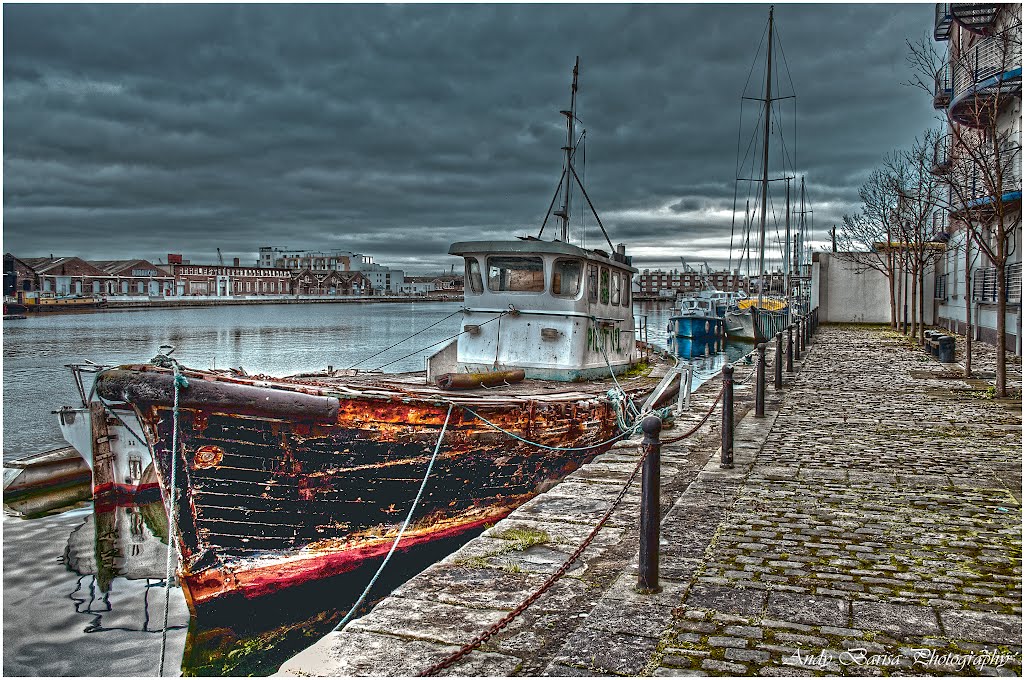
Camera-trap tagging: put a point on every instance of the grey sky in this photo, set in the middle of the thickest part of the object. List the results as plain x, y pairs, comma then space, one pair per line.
393, 130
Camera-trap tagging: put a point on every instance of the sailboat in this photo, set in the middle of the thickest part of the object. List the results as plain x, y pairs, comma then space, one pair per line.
761, 317
279, 481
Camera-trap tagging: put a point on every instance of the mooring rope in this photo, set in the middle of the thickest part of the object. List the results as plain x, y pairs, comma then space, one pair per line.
457, 311
545, 446
439, 342
405, 525
508, 618
180, 382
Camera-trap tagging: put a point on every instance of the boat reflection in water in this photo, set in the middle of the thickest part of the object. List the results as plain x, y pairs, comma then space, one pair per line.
707, 357
120, 553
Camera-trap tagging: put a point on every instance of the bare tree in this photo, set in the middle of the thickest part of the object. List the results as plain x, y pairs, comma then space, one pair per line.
981, 161
866, 236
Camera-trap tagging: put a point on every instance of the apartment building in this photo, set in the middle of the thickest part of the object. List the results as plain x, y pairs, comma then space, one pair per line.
979, 90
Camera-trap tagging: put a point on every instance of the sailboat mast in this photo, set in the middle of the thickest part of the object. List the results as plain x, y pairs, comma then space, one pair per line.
570, 122
764, 165
786, 261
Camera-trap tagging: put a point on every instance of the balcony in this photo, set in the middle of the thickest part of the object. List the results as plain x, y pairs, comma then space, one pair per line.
943, 21
942, 157
986, 290
984, 78
978, 18
985, 181
943, 87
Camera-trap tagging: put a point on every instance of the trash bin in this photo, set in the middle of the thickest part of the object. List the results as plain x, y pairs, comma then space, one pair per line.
947, 349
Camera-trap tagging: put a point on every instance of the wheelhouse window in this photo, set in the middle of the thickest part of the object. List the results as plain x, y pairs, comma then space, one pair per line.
566, 277
605, 285
592, 282
474, 279
616, 288
516, 274
627, 286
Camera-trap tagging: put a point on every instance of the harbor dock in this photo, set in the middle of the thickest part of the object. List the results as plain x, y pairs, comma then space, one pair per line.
870, 525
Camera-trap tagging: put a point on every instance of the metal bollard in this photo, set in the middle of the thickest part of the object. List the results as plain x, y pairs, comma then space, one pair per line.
727, 424
778, 360
807, 331
650, 508
797, 348
789, 349
759, 393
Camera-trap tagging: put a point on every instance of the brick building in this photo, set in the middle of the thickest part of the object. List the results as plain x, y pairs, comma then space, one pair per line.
326, 282
654, 281
223, 281
134, 277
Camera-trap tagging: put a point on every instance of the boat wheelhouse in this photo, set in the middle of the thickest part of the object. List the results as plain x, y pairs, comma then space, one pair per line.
567, 311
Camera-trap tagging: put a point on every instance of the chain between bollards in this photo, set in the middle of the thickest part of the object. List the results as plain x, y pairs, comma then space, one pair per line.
759, 390
727, 424
650, 508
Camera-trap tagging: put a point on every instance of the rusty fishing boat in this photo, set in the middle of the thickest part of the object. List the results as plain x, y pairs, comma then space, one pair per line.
281, 480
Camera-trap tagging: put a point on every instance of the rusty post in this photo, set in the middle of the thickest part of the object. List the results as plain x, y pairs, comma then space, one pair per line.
759, 392
796, 340
727, 424
807, 331
650, 508
789, 349
778, 360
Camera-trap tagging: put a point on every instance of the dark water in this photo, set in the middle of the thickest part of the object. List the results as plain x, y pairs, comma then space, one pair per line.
83, 589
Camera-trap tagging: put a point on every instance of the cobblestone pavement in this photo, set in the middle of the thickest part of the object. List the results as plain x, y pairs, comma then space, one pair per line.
878, 531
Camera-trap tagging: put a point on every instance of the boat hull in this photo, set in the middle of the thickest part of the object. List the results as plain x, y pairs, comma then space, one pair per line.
700, 329
279, 487
755, 324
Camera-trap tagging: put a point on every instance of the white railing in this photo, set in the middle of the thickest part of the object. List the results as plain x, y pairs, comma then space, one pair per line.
986, 58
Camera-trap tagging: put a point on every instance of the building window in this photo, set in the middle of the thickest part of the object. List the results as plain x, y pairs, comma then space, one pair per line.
515, 274
141, 287
566, 277
124, 287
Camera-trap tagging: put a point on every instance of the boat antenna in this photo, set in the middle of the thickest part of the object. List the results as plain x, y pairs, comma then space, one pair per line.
569, 171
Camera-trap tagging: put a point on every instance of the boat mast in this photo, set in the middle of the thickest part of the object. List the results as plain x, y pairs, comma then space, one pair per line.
786, 260
764, 165
570, 122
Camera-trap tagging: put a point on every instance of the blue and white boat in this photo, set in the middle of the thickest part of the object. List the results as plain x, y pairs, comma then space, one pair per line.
701, 319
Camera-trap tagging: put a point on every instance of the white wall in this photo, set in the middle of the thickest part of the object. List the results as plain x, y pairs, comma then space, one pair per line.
847, 292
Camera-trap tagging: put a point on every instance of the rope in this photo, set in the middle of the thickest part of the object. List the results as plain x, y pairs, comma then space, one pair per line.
180, 381
405, 525
438, 342
457, 311
508, 618
545, 446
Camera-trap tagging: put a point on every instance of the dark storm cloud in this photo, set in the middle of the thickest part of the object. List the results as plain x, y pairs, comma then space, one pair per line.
137, 130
